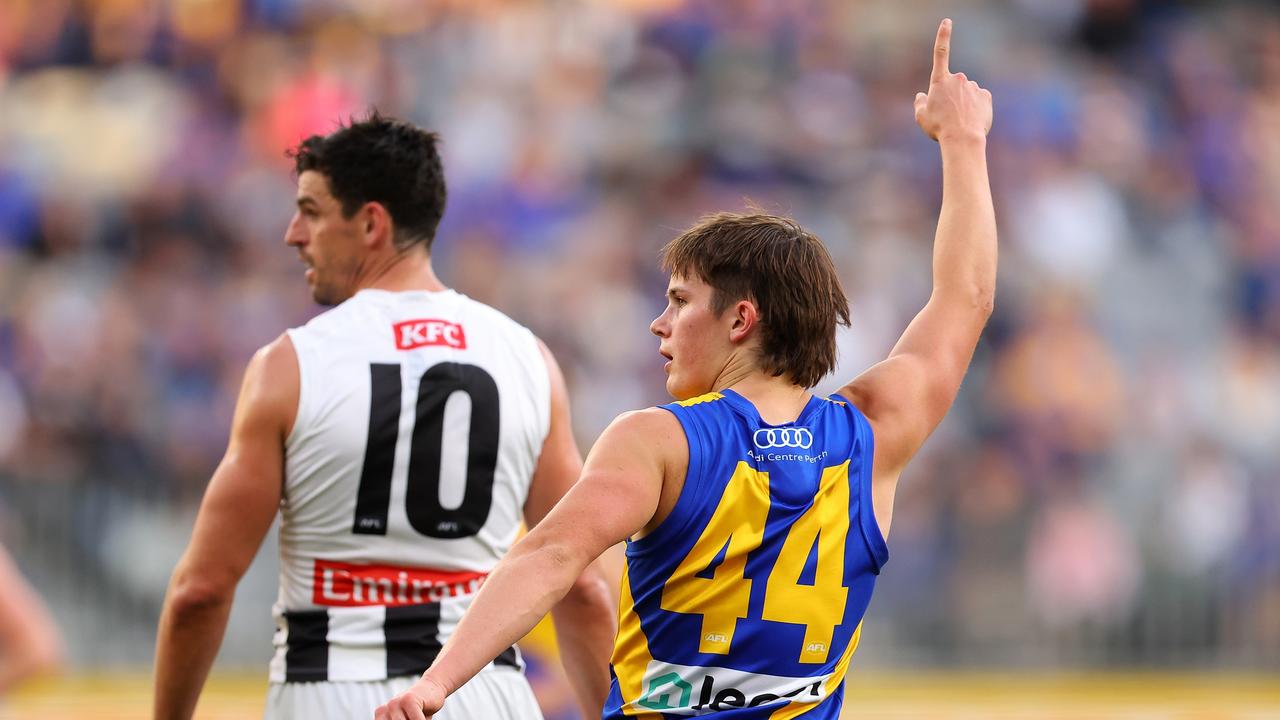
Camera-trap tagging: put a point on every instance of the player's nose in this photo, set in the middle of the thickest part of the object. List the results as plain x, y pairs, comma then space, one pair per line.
296, 234
658, 326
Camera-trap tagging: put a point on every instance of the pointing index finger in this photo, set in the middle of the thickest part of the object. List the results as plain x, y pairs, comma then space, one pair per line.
942, 51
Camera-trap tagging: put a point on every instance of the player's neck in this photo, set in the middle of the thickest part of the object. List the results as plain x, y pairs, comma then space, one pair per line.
777, 399
409, 270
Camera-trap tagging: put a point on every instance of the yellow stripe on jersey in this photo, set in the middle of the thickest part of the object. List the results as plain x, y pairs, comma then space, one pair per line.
700, 399
735, 528
631, 653
795, 709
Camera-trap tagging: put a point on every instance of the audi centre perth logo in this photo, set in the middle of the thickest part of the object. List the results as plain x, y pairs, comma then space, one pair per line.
766, 438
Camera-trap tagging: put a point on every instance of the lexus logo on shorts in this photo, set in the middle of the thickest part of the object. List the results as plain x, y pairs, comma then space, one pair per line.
766, 438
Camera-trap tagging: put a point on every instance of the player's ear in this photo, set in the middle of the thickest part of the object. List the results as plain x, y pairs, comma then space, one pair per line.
745, 316
375, 223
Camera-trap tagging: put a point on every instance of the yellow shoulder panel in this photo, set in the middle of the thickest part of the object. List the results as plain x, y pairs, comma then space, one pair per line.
709, 397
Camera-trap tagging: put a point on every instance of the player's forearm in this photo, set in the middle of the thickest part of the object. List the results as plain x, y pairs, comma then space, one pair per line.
964, 252
516, 596
190, 633
586, 623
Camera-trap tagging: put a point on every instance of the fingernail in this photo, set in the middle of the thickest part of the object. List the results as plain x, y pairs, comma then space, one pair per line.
947, 22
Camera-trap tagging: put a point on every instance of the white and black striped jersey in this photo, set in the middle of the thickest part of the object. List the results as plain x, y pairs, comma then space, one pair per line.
419, 425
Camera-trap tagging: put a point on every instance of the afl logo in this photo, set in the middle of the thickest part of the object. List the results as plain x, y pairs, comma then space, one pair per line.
766, 438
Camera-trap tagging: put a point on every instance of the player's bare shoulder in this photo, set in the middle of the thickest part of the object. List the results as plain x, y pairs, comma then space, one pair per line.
277, 358
653, 434
271, 387
650, 423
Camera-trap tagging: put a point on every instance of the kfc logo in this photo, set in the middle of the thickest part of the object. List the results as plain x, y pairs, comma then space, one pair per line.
412, 334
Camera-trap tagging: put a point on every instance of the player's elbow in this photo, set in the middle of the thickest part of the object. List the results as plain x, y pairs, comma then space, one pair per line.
979, 299
972, 295
566, 563
590, 593
193, 593
985, 302
551, 557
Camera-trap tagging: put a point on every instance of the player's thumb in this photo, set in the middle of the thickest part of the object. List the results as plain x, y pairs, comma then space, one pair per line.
919, 103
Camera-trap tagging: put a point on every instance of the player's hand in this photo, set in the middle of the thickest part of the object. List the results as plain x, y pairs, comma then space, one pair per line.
955, 106
419, 702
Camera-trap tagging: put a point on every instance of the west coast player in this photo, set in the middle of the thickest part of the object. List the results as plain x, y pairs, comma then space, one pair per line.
755, 509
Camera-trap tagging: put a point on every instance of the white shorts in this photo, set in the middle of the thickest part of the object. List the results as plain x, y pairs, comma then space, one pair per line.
494, 694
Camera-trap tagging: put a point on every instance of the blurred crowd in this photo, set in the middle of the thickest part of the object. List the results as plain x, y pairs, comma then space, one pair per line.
1107, 488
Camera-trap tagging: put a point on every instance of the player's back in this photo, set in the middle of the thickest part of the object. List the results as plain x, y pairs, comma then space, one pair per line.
420, 420
747, 600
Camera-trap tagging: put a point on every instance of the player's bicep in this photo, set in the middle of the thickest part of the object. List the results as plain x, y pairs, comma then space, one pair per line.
907, 395
619, 489
244, 493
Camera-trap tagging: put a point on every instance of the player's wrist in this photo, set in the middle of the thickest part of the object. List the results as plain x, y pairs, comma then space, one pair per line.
963, 138
430, 685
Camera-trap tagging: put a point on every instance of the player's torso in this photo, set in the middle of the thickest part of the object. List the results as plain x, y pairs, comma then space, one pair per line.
747, 600
420, 420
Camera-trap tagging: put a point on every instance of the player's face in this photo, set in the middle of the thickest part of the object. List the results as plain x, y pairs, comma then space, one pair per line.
328, 243
693, 338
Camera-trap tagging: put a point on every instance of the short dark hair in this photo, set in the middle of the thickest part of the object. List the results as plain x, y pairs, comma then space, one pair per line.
382, 160
784, 270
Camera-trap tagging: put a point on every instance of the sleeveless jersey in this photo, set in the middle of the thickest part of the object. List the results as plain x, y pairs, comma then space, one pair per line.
747, 601
420, 421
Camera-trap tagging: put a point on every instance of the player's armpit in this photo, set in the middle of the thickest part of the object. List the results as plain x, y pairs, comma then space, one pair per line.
906, 395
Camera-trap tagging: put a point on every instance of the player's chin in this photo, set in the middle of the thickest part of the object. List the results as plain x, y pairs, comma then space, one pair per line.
681, 390
325, 296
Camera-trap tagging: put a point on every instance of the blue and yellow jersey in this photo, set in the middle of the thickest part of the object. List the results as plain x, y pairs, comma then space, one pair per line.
747, 601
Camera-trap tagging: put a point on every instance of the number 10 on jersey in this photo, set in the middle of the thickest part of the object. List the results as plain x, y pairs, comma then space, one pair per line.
422, 496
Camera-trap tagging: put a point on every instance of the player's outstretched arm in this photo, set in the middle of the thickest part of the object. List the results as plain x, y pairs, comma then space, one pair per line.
616, 496
238, 507
907, 395
586, 618
29, 641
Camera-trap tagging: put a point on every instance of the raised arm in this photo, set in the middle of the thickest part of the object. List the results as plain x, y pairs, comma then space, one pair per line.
617, 495
234, 517
906, 395
586, 618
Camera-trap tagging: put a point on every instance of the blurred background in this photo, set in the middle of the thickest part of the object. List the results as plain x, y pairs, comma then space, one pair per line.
1106, 492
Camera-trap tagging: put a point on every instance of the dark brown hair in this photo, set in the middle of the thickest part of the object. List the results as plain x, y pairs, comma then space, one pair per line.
781, 268
379, 159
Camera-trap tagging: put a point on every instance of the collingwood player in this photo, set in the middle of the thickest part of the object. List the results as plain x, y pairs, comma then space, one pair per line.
402, 436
